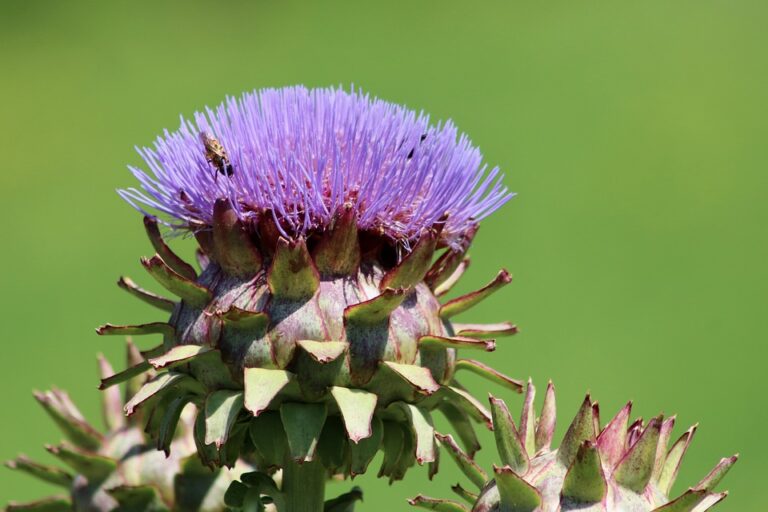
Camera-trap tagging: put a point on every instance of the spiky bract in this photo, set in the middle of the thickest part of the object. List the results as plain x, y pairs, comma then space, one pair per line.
121, 469
621, 467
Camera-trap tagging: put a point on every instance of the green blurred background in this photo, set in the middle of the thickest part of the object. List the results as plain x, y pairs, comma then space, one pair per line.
634, 133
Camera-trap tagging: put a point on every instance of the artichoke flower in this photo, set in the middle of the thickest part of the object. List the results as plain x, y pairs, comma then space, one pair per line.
621, 467
121, 469
329, 225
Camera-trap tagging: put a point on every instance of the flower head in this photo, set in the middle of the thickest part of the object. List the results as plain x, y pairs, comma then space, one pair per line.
299, 155
329, 225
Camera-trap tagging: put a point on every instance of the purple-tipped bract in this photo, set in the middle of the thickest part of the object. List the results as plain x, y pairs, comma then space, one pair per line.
300, 154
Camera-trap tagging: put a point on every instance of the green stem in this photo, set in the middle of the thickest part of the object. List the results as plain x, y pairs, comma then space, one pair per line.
303, 486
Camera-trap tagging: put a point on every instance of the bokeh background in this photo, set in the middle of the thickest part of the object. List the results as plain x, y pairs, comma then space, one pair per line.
634, 133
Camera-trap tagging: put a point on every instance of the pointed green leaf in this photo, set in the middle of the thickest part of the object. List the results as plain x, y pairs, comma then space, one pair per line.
50, 474
177, 264
52, 504
209, 455
582, 429
508, 442
516, 494
179, 354
709, 482
437, 505
376, 309
661, 447
457, 342
68, 418
232, 247
156, 413
420, 425
468, 404
159, 384
91, 465
528, 420
449, 279
254, 322
262, 482
262, 386
612, 441
356, 408
170, 420
344, 502
693, 501
462, 425
635, 469
447, 265
414, 266
142, 498
268, 437
465, 302
407, 457
485, 330
230, 452
133, 358
185, 288
468, 466
545, 428
221, 410
235, 495
450, 266
323, 352
673, 460
418, 377
392, 446
337, 253
262, 489
362, 453
303, 424
596, 417
293, 275
136, 330
434, 466
489, 374
585, 482
333, 446
111, 401
146, 296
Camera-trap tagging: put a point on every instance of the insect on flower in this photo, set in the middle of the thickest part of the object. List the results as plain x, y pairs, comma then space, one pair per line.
421, 139
216, 155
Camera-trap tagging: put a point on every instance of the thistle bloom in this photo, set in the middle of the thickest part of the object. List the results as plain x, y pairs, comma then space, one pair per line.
313, 336
301, 155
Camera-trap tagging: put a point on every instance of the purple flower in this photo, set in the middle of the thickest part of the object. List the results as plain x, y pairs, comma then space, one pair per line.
299, 154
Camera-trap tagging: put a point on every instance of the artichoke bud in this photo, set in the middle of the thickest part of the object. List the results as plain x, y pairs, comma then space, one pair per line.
329, 223
620, 467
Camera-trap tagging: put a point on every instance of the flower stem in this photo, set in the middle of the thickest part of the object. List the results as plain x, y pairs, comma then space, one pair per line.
303, 486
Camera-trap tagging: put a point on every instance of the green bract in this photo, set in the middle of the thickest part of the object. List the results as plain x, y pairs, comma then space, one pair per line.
620, 468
